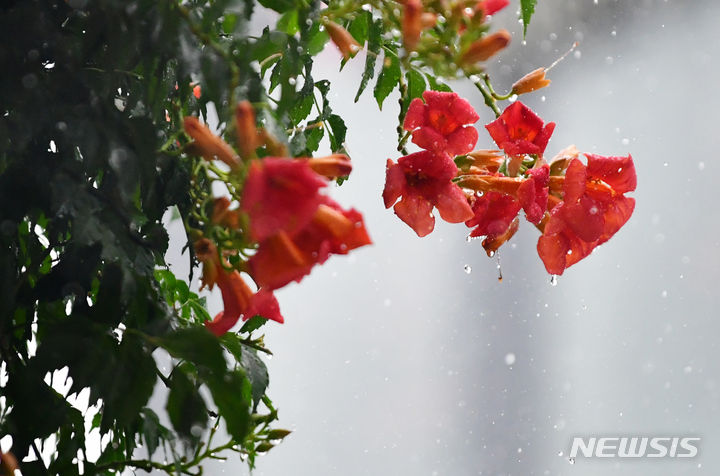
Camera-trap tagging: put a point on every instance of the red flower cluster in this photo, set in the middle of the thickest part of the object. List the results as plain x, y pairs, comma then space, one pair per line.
423, 180
294, 225
577, 207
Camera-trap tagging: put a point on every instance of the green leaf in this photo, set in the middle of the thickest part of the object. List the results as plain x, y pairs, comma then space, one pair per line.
279, 6
359, 27
232, 393
185, 407
151, 430
415, 87
257, 373
339, 129
195, 344
373, 47
436, 85
389, 77
288, 22
527, 8
252, 324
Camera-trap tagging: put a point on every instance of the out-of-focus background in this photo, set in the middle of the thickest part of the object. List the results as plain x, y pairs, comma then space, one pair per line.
410, 358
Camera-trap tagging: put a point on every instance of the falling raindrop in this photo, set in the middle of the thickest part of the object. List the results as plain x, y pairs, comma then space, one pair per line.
468, 269
500, 276
509, 358
571, 460
553, 280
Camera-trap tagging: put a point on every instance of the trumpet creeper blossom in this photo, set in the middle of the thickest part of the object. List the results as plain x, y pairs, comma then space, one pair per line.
593, 209
520, 131
423, 181
442, 123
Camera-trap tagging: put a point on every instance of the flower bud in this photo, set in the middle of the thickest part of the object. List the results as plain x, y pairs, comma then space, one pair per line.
428, 20
486, 47
333, 221
493, 243
8, 464
487, 159
332, 166
531, 82
207, 144
207, 254
412, 24
222, 215
247, 135
343, 40
274, 147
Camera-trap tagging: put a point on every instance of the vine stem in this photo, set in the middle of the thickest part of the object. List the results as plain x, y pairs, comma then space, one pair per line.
489, 100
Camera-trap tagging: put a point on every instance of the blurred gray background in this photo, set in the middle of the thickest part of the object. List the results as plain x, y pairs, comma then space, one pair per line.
395, 361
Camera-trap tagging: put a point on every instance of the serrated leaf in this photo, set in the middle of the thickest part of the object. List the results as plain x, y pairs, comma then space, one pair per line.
151, 430
185, 406
232, 394
257, 372
415, 87
436, 85
288, 22
279, 6
338, 131
195, 344
359, 27
252, 324
527, 8
388, 79
373, 50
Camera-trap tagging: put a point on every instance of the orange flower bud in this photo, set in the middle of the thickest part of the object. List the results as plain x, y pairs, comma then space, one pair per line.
560, 162
486, 47
333, 221
343, 40
207, 254
487, 159
8, 464
412, 24
428, 20
247, 135
493, 243
532, 81
332, 166
222, 215
208, 144
274, 147
487, 183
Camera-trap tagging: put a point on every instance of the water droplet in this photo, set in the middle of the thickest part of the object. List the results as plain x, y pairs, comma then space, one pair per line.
577, 54
625, 141
701, 165
553, 280
665, 164
571, 460
613, 33
664, 293
468, 269
491, 254
509, 358
560, 453
500, 277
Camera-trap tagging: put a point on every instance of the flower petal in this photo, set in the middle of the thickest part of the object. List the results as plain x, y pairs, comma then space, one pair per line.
416, 211
618, 172
453, 205
461, 141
